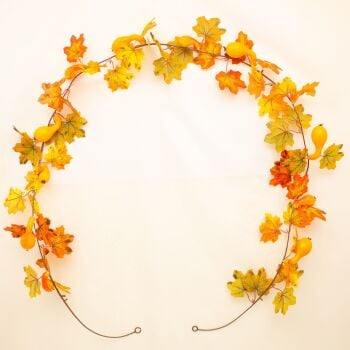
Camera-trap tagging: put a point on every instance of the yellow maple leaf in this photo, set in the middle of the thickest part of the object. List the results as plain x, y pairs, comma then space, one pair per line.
118, 78
28, 149
280, 134
330, 156
285, 88
32, 281
130, 56
57, 156
296, 117
38, 177
209, 28
230, 80
249, 284
168, 66
91, 68
283, 300
270, 228
296, 160
15, 201
182, 48
71, 127
256, 83
272, 105
76, 49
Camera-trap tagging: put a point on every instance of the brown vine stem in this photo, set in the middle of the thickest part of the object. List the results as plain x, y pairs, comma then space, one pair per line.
137, 330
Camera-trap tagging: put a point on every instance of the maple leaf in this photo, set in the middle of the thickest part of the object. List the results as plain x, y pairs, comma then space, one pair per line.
272, 105
208, 28
296, 160
283, 300
230, 80
268, 65
52, 95
206, 59
308, 89
15, 201
91, 68
118, 78
32, 281
57, 156
48, 285
285, 88
182, 49
330, 156
168, 66
258, 284
281, 175
302, 212
59, 242
298, 187
38, 177
280, 134
130, 56
270, 228
76, 49
16, 230
43, 231
296, 117
28, 149
236, 288
256, 83
289, 274
71, 127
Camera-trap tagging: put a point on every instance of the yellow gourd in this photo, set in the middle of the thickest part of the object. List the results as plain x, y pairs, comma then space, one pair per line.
301, 248
28, 238
44, 173
45, 133
238, 50
319, 138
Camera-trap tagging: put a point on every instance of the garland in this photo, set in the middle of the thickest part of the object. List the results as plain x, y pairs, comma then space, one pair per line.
47, 149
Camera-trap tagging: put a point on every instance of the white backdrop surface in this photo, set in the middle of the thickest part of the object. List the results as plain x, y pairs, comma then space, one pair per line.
166, 193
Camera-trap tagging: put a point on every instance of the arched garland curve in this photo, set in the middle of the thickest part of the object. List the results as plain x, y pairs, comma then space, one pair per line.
279, 100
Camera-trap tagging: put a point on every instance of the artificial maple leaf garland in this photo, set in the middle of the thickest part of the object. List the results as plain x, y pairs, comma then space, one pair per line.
279, 100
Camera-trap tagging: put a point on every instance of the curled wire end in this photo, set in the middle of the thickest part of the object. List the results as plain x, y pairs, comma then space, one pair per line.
195, 329
137, 330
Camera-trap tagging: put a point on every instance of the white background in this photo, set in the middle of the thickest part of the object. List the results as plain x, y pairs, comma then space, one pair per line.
166, 193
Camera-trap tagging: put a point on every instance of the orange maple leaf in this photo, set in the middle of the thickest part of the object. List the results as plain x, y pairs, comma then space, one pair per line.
76, 49
206, 59
52, 95
231, 80
16, 230
59, 242
270, 228
281, 175
298, 187
302, 211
